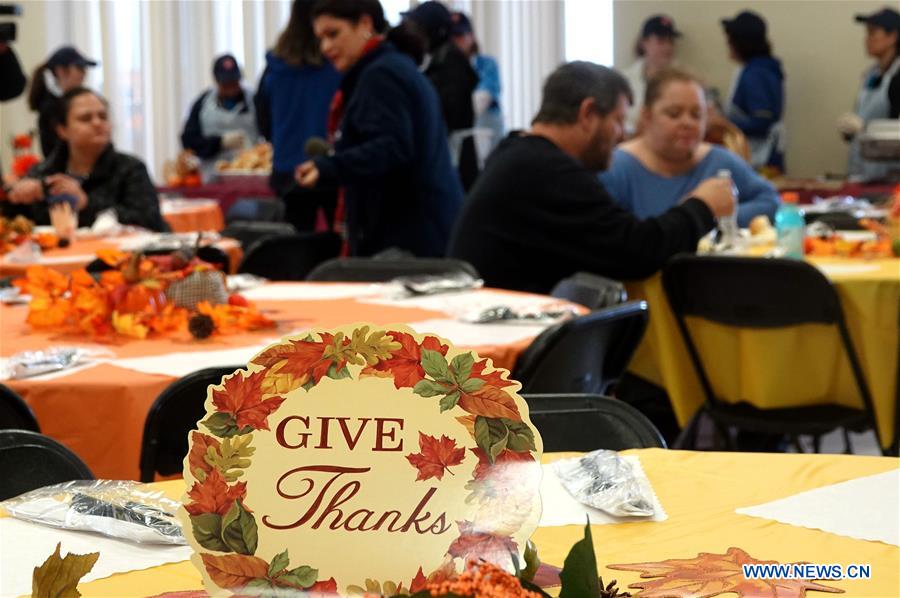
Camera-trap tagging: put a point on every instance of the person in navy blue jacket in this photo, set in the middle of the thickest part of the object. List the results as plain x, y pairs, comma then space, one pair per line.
292, 103
391, 154
756, 99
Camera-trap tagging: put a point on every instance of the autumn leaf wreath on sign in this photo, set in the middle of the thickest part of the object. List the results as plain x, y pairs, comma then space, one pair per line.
222, 521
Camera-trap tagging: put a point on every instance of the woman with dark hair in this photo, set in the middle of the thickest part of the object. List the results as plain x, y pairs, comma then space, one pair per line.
391, 155
64, 70
756, 99
292, 102
655, 50
86, 171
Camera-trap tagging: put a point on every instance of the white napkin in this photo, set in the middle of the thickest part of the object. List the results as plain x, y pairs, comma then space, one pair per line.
559, 508
464, 303
308, 291
106, 223
182, 364
466, 334
25, 545
866, 508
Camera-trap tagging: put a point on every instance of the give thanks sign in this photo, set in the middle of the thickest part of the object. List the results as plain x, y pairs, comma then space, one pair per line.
355, 454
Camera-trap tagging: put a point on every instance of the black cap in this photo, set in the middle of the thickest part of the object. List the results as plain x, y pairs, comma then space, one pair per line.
461, 24
68, 55
661, 26
433, 17
886, 18
226, 69
745, 24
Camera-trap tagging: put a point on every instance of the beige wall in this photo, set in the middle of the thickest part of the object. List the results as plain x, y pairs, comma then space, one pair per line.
819, 44
31, 48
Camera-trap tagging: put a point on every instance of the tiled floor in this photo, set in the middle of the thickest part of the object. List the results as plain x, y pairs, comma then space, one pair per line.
863, 444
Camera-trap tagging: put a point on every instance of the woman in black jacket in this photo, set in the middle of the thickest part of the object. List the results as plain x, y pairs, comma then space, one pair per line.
87, 171
64, 70
391, 154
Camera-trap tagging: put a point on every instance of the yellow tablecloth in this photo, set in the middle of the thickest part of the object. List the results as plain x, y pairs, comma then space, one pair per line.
751, 365
700, 492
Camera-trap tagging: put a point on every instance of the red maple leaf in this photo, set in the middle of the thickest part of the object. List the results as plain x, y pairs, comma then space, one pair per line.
199, 446
491, 379
473, 543
322, 589
490, 401
505, 465
436, 457
301, 357
405, 364
213, 495
418, 582
242, 398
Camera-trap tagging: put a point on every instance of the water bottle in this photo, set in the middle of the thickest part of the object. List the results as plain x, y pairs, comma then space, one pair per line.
790, 227
728, 226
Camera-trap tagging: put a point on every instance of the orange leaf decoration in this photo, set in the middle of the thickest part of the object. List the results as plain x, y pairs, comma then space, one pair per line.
322, 589
299, 360
113, 257
196, 458
405, 364
490, 401
213, 495
473, 543
241, 398
436, 457
492, 379
418, 582
234, 571
711, 574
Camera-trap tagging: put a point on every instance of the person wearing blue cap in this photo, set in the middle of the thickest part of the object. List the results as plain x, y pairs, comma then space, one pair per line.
222, 120
655, 50
65, 69
879, 96
756, 100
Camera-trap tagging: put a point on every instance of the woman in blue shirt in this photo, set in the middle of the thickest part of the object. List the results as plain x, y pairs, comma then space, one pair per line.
657, 170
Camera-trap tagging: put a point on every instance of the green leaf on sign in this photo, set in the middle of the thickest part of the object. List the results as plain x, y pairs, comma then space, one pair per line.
521, 438
435, 365
450, 401
258, 587
239, 530
491, 435
462, 367
429, 388
301, 577
579, 575
279, 563
471, 385
207, 529
338, 374
221, 424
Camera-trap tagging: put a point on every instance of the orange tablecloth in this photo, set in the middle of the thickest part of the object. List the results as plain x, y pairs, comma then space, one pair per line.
190, 215
99, 412
83, 251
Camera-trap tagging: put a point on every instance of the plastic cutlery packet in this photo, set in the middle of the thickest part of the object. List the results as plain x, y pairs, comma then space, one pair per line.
34, 363
604, 480
120, 509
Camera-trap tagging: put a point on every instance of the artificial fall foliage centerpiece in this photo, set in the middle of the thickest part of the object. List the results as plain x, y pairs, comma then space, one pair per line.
138, 296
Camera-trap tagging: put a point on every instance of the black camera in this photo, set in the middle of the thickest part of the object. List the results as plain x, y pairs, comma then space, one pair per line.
8, 30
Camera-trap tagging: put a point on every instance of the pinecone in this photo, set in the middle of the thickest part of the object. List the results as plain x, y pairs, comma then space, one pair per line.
611, 591
201, 326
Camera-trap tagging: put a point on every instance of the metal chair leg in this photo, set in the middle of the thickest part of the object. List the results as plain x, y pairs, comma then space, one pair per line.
848, 447
817, 442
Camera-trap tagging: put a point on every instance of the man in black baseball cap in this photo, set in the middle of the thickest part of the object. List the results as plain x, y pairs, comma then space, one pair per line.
879, 96
222, 119
69, 56
655, 50
745, 24
659, 25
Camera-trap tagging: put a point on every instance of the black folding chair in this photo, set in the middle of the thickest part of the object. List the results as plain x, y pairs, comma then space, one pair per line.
584, 355
249, 232
29, 460
15, 414
587, 422
289, 257
363, 269
590, 290
174, 413
755, 293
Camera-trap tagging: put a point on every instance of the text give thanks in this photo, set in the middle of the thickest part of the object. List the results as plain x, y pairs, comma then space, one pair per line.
359, 453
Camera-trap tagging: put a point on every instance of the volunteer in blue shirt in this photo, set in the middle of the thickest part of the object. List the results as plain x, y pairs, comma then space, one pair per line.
756, 100
879, 96
222, 119
391, 154
292, 103
656, 171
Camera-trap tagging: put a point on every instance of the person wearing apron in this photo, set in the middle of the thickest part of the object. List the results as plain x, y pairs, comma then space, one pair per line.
879, 96
222, 120
756, 99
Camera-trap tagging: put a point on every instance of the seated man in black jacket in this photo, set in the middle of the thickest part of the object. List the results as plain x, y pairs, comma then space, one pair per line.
538, 214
